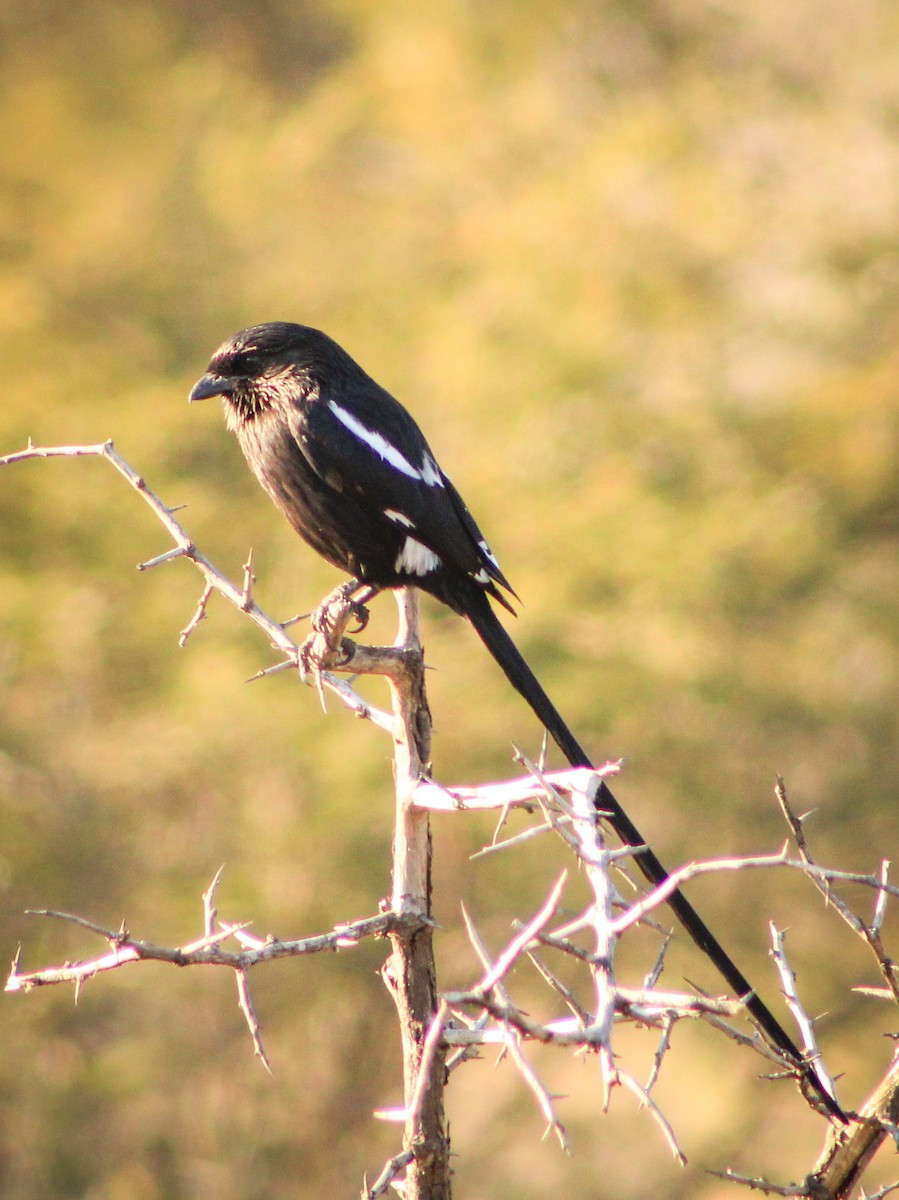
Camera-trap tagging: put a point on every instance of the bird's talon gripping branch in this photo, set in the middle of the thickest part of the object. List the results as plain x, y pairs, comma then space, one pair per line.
322, 652
315, 654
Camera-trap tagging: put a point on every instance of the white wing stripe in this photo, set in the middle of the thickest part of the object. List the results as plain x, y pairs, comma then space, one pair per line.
375, 441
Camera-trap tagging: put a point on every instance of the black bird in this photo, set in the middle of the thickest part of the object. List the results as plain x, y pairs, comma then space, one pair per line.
352, 472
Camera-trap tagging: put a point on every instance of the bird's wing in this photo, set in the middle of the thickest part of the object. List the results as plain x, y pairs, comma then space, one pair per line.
375, 452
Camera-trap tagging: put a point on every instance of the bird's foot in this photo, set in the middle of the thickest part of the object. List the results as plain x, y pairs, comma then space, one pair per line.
321, 651
326, 647
346, 602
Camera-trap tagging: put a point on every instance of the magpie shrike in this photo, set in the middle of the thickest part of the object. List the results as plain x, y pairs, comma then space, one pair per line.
351, 471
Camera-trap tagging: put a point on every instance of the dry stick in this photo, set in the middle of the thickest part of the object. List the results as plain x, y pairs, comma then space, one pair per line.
492, 983
410, 973
210, 912
846, 1155
241, 598
433, 1043
791, 995
592, 853
762, 1185
245, 1000
848, 1152
596, 859
389, 1172
870, 932
205, 951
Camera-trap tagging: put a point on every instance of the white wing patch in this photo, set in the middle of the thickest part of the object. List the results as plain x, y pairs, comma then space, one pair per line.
429, 472
416, 558
400, 518
488, 553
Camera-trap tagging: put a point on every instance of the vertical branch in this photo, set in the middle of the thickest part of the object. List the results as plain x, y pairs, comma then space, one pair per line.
410, 972
592, 852
411, 755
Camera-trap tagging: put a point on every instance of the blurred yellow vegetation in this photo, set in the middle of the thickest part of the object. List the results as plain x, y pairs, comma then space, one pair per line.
634, 268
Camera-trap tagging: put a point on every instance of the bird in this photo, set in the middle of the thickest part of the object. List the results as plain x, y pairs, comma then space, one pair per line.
351, 471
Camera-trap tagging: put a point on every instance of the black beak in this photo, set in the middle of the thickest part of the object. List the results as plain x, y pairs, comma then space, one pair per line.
211, 385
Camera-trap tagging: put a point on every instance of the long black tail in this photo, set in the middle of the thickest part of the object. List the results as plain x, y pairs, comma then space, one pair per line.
522, 678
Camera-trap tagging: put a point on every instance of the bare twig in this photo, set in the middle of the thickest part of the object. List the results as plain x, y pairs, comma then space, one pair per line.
248, 580
880, 905
661, 1050
568, 997
517, 839
245, 1001
762, 1185
800, 1016
848, 1152
516, 947
430, 1047
210, 912
205, 951
198, 616
795, 823
565, 801
628, 1081
492, 983
524, 792
390, 1172
240, 597
825, 879
593, 854
676, 879
410, 972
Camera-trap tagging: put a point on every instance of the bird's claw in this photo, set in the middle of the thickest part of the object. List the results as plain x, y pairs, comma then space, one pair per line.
361, 616
324, 648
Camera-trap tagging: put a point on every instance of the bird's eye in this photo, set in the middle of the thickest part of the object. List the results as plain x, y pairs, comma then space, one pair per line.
247, 363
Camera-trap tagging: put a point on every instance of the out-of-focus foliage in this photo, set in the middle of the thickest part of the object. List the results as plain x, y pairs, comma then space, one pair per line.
634, 267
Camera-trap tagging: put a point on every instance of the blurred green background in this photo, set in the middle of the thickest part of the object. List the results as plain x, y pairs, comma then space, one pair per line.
634, 267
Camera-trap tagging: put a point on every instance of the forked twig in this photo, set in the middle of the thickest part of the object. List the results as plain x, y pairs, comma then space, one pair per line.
240, 597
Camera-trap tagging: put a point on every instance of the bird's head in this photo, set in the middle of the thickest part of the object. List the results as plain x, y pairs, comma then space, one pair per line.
263, 366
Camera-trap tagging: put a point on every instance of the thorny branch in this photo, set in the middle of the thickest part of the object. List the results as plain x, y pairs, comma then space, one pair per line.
564, 801
871, 932
500, 1021
491, 985
241, 597
847, 1151
392, 1169
204, 951
791, 995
